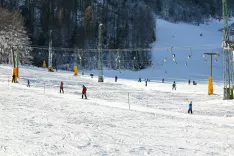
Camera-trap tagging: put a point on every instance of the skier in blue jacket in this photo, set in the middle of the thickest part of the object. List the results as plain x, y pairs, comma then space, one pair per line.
190, 110
174, 85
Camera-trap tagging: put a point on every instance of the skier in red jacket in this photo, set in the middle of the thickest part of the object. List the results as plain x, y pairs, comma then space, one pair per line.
84, 92
61, 87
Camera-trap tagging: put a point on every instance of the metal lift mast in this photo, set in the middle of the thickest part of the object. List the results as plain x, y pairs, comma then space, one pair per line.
228, 47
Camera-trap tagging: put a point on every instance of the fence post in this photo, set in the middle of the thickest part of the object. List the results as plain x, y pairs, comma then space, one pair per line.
128, 102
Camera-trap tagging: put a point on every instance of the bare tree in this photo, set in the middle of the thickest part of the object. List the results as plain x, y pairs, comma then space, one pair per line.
13, 37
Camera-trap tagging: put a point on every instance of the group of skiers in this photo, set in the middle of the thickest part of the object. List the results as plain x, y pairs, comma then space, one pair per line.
190, 109
194, 82
84, 90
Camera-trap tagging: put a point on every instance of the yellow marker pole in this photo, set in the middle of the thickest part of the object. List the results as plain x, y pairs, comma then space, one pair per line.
75, 69
210, 86
14, 73
210, 79
44, 64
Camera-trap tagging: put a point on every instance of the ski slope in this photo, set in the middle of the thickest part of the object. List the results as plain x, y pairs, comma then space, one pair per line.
186, 41
35, 121
39, 121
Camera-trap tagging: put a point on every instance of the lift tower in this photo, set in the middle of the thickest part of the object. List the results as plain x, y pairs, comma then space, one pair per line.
100, 65
228, 48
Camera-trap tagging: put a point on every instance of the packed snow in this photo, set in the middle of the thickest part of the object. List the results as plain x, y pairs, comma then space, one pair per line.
124, 117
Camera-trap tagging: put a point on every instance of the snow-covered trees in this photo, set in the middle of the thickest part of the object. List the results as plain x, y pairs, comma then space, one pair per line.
13, 37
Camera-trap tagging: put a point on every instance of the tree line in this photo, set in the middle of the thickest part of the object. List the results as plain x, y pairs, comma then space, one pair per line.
127, 24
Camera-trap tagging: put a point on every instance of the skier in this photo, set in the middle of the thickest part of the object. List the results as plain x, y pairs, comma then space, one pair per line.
146, 82
13, 78
28, 85
174, 85
91, 75
139, 79
189, 81
116, 78
194, 83
61, 87
162, 80
84, 92
190, 108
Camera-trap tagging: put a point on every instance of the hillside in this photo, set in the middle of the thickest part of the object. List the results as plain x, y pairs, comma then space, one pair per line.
186, 40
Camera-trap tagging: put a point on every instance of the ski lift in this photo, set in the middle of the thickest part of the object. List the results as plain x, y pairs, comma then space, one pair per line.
174, 59
216, 60
205, 61
165, 60
173, 55
186, 63
204, 55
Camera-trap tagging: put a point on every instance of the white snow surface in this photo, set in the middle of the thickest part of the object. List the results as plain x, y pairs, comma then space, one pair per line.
39, 121
34, 123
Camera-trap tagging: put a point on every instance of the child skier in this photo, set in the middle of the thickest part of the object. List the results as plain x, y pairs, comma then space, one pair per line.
194, 83
174, 85
84, 92
116, 78
28, 85
61, 87
13, 78
190, 110
139, 79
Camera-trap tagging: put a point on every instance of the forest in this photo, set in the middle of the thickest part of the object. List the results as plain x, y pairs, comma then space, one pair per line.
129, 28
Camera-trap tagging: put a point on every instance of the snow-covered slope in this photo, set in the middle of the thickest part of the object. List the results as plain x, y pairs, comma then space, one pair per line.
185, 40
34, 123
41, 121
